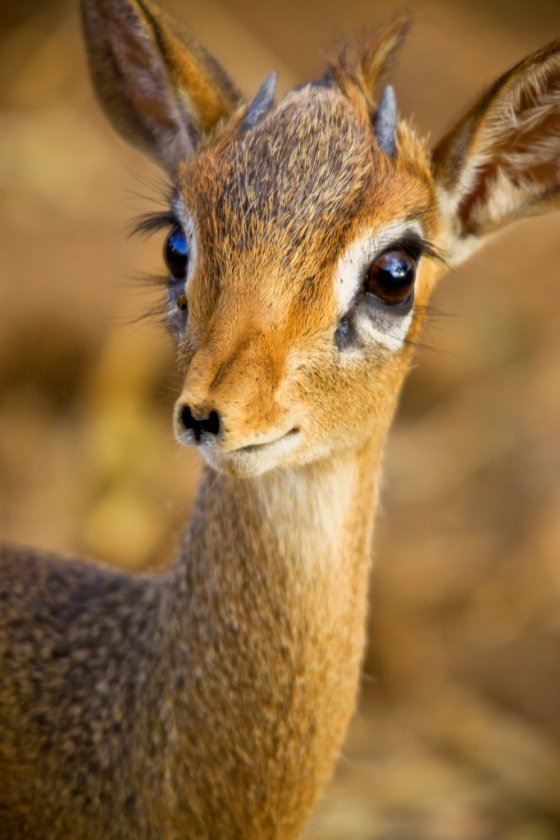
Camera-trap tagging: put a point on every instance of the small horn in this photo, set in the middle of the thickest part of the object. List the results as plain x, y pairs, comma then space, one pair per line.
262, 103
385, 125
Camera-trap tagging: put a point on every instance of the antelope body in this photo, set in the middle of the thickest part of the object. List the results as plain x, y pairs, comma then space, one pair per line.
306, 236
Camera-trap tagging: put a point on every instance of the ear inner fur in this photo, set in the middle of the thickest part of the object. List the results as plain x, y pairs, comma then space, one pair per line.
499, 162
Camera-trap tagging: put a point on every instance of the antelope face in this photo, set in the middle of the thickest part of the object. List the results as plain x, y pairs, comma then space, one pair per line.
300, 277
299, 254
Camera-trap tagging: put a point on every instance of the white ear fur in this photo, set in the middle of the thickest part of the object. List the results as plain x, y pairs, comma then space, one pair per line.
501, 161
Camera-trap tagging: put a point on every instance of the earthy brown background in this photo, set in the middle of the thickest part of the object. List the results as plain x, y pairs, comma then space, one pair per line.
458, 733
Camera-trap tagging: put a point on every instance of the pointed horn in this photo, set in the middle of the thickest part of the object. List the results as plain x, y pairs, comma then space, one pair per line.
385, 125
262, 103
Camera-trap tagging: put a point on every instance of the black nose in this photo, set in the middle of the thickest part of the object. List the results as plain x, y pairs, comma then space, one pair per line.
199, 425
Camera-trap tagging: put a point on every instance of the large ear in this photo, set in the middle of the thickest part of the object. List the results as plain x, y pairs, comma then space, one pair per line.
161, 90
501, 161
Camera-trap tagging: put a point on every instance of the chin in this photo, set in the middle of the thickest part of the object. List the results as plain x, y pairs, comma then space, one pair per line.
238, 465
255, 461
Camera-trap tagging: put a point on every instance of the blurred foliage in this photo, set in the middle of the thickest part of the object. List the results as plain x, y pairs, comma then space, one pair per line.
458, 733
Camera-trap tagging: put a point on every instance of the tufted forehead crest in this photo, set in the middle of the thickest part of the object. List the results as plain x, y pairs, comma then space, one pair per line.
359, 67
362, 63
297, 178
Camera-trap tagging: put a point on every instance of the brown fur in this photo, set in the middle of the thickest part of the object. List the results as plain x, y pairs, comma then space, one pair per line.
212, 701
173, 78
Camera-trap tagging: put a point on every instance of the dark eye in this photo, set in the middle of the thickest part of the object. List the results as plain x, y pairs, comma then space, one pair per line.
391, 277
176, 253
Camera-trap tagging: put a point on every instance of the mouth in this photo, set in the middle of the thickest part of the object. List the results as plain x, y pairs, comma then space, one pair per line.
253, 459
259, 447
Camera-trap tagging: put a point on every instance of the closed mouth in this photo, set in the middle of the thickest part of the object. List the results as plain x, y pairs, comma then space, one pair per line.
255, 447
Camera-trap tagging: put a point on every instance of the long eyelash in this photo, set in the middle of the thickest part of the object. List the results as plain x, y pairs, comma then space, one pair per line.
157, 313
149, 223
417, 246
431, 317
432, 251
143, 281
141, 285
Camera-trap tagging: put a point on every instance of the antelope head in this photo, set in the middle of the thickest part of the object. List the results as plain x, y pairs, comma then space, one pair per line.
306, 235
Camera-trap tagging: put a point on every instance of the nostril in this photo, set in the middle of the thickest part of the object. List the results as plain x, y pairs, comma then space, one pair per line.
198, 425
212, 423
186, 418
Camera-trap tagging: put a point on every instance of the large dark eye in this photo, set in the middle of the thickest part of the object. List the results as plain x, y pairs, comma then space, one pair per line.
391, 277
176, 253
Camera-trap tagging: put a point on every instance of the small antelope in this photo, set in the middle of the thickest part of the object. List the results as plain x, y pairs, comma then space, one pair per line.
304, 240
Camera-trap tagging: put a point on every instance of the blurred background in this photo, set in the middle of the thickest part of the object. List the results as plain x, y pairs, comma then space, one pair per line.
458, 731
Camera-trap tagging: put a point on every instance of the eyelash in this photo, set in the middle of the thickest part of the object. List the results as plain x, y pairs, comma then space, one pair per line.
153, 222
415, 246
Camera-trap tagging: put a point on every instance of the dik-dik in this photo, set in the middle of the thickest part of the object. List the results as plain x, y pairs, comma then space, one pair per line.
304, 239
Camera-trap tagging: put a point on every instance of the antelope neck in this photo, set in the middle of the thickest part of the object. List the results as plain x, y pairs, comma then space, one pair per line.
270, 598
315, 520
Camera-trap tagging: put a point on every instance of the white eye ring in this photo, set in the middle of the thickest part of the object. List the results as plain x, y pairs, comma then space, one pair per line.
360, 253
384, 324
